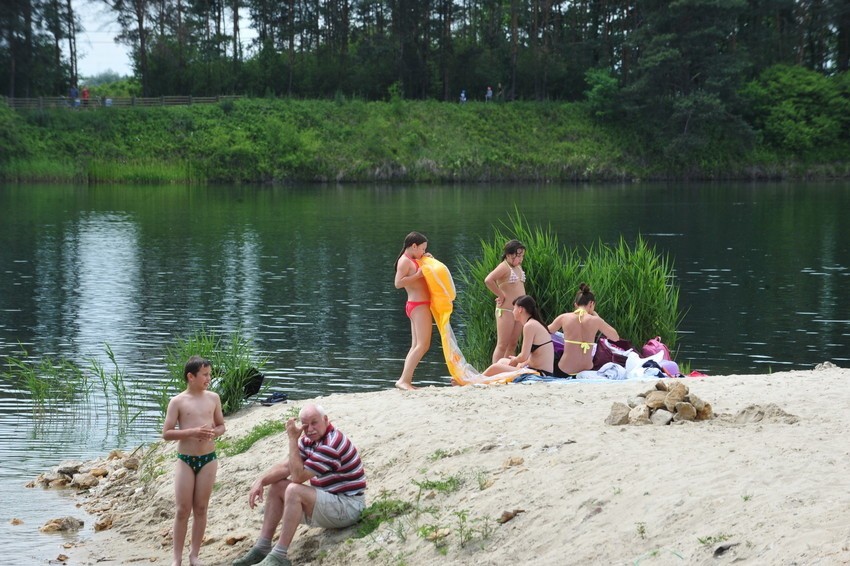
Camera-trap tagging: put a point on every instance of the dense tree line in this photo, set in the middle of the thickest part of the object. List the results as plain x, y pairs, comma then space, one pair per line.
535, 49
687, 72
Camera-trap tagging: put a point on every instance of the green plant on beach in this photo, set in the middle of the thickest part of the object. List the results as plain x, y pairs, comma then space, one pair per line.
233, 360
713, 539
232, 447
381, 511
634, 286
447, 484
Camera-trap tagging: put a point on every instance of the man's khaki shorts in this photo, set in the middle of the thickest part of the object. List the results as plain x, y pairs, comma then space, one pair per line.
336, 511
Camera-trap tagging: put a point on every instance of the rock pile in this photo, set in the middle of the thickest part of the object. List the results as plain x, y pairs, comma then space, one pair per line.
669, 401
112, 475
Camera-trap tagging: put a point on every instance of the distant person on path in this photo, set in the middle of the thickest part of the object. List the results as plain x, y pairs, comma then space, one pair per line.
463, 96
538, 352
409, 276
488, 97
85, 96
334, 499
74, 95
500, 94
580, 328
507, 282
194, 419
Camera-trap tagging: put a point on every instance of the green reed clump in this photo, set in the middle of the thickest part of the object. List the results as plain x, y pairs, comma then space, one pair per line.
553, 270
48, 381
145, 171
234, 363
634, 286
112, 384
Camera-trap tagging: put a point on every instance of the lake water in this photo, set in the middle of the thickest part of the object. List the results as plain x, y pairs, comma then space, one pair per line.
307, 273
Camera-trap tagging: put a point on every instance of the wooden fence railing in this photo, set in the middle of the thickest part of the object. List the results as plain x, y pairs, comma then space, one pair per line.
44, 102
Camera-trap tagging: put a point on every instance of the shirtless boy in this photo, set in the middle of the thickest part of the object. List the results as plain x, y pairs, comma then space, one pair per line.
194, 419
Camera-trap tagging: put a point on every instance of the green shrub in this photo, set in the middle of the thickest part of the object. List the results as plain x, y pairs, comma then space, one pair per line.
634, 287
796, 109
233, 365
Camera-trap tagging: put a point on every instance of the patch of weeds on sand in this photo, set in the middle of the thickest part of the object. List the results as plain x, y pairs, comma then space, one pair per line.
618, 490
437, 534
232, 447
655, 553
381, 511
447, 484
438, 454
713, 539
747, 496
483, 481
641, 530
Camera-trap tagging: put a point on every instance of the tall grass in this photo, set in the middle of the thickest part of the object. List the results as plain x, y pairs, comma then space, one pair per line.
634, 286
233, 364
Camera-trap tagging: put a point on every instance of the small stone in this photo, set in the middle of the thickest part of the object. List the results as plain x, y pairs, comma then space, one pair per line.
69, 468
684, 412
231, 540
635, 401
639, 415
131, 463
655, 399
99, 472
705, 413
696, 402
676, 395
103, 523
661, 385
61, 524
513, 461
84, 481
661, 417
16, 521
116, 455
61, 482
619, 414
62, 558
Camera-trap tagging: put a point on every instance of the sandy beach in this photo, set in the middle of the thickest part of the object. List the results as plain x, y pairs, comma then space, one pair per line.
764, 482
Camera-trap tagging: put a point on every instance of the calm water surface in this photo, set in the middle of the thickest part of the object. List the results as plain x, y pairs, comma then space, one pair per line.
307, 273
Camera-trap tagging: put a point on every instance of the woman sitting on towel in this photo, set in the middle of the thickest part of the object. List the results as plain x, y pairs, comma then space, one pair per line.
538, 353
580, 328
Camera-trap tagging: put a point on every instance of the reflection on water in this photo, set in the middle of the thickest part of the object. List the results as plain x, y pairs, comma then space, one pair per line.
307, 274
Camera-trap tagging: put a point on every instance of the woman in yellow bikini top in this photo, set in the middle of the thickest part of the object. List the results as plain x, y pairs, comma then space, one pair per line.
580, 328
507, 282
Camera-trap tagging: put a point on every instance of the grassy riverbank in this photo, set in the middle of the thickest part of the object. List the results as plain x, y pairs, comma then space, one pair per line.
274, 141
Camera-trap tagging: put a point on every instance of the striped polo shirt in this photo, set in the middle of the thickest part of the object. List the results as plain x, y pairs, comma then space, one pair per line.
335, 461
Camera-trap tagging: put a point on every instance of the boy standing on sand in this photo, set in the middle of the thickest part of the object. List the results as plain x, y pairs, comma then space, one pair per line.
194, 418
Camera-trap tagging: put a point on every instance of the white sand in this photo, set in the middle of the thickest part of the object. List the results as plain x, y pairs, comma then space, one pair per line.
778, 489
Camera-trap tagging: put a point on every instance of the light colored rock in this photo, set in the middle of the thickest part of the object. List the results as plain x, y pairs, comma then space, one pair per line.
103, 523
696, 402
619, 414
705, 413
59, 483
131, 463
636, 400
513, 461
684, 412
639, 415
61, 524
655, 399
661, 417
69, 467
661, 385
99, 472
116, 455
84, 481
676, 395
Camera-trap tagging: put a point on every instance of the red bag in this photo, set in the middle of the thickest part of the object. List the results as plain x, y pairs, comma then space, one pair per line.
611, 351
653, 346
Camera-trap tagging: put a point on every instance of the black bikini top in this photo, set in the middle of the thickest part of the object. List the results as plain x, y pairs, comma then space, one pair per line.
535, 346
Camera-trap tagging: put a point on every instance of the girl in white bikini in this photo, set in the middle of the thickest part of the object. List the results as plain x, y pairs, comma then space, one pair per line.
507, 282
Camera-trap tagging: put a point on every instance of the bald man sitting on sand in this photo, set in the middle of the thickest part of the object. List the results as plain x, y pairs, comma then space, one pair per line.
333, 499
